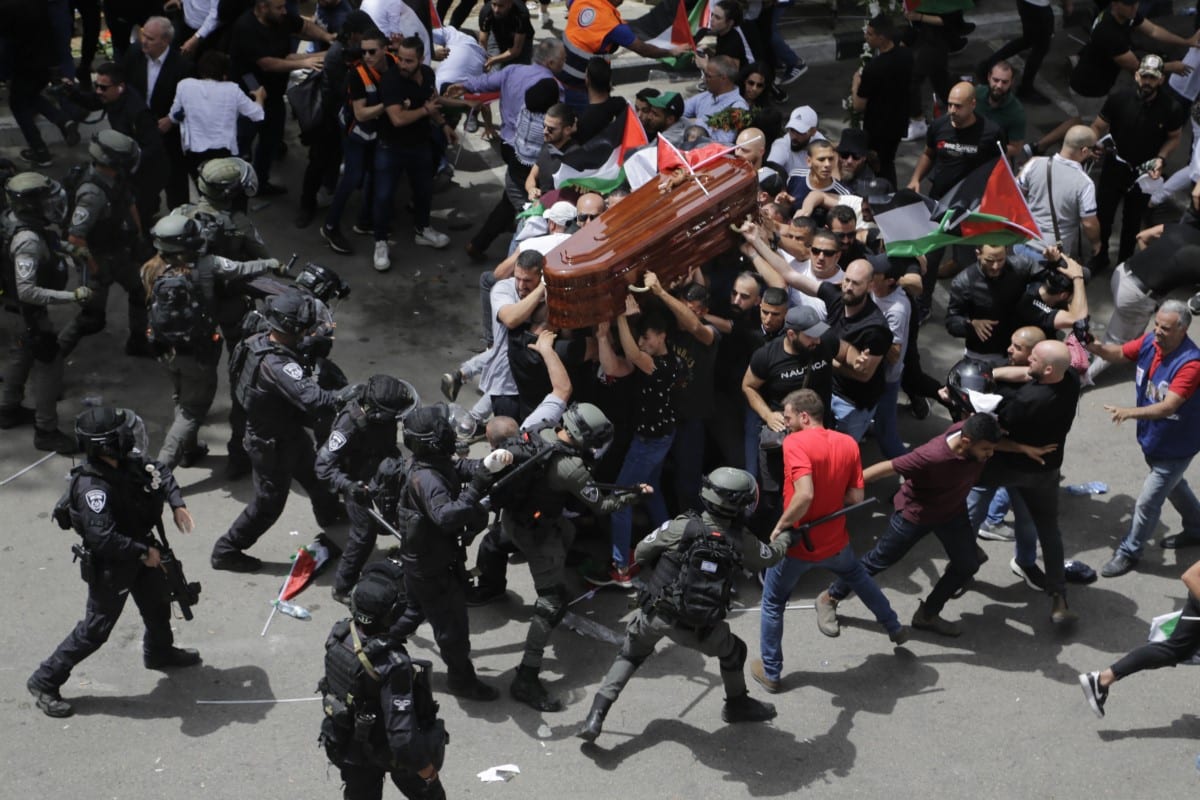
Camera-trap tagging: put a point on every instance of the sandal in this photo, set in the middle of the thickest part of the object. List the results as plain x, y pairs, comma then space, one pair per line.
490, 134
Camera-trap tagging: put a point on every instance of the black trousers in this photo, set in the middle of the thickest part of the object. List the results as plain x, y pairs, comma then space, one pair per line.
359, 544
491, 559
105, 602
275, 463
503, 214
1182, 644
1116, 187
1037, 30
366, 783
439, 597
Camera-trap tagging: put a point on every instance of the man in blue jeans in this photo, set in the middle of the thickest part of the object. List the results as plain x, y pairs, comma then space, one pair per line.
938, 475
822, 471
1168, 428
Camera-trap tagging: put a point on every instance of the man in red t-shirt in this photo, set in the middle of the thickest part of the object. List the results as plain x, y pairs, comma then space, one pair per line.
938, 476
1168, 428
822, 471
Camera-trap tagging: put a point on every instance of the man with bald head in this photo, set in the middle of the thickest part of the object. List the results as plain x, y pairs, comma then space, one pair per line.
958, 141
1068, 214
751, 144
1037, 417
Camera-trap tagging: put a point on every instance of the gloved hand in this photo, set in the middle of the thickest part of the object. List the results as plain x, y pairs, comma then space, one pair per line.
497, 460
359, 493
349, 393
481, 482
277, 266
82, 294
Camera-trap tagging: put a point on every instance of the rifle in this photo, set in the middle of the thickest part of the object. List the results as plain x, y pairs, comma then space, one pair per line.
175, 585
841, 512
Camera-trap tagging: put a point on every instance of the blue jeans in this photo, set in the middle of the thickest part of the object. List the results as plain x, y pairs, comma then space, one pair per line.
357, 163
999, 507
782, 579
1165, 482
886, 432
784, 54
979, 502
751, 426
687, 458
390, 162
643, 464
957, 538
850, 419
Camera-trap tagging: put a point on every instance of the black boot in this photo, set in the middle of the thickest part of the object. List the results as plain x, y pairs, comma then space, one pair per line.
595, 718
746, 709
529, 690
49, 702
174, 657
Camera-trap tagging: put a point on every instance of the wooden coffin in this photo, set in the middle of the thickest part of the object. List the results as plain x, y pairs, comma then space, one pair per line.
666, 232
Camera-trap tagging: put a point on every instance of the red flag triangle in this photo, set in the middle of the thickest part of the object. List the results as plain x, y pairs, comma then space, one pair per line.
634, 135
681, 29
1002, 198
434, 16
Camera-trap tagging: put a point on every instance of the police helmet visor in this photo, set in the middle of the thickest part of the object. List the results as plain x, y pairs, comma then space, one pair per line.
55, 205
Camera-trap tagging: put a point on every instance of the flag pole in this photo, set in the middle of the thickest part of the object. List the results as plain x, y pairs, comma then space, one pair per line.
279, 599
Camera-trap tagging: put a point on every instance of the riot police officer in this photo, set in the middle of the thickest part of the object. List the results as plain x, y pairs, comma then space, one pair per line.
104, 225
183, 284
115, 500
363, 435
437, 511
694, 560
534, 522
36, 203
380, 715
278, 392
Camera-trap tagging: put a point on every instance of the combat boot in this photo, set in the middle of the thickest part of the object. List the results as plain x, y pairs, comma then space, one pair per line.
595, 719
173, 657
526, 688
473, 689
54, 441
746, 709
50, 702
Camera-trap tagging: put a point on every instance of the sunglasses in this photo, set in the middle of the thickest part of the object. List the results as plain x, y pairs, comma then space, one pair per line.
586, 217
825, 252
370, 51
855, 156
103, 87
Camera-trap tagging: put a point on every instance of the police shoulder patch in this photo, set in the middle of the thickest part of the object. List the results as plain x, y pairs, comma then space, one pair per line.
337, 440
26, 266
651, 537
96, 498
590, 493
401, 703
293, 370
764, 551
79, 216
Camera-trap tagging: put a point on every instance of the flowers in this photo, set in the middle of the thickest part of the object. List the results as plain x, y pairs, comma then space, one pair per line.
731, 119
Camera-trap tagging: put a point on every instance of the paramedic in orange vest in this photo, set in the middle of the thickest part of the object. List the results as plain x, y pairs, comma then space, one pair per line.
594, 28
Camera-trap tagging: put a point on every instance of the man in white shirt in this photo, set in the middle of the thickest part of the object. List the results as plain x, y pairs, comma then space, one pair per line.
397, 20
199, 21
790, 151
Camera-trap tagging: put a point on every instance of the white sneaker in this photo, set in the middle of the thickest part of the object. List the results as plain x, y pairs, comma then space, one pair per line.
382, 262
428, 237
917, 128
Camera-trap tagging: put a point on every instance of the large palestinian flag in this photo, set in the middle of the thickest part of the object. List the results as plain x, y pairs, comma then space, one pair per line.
598, 165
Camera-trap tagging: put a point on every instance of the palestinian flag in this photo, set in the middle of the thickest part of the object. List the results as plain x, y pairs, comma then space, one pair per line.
598, 165
434, 16
307, 562
650, 162
986, 207
700, 16
679, 33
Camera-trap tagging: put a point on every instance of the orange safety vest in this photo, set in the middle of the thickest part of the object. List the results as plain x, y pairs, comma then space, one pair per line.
588, 22
370, 80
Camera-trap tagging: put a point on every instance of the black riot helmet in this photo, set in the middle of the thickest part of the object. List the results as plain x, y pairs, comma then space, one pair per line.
35, 199
589, 427
377, 600
292, 312
428, 433
387, 399
969, 374
729, 493
111, 432
325, 284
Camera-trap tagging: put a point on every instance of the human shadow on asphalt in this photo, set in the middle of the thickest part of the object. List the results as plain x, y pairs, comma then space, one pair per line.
176, 694
1186, 727
768, 760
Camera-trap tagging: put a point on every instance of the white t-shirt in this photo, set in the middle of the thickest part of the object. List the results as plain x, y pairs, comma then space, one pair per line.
799, 298
898, 312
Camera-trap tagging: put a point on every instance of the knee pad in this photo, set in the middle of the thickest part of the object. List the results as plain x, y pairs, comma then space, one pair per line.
737, 659
551, 606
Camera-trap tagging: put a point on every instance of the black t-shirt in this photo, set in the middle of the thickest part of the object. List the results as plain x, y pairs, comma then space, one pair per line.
1139, 129
866, 330
884, 85
1169, 262
734, 45
505, 28
745, 336
597, 116
957, 151
368, 92
1032, 310
783, 372
397, 90
251, 40
656, 402
695, 395
1096, 71
1038, 414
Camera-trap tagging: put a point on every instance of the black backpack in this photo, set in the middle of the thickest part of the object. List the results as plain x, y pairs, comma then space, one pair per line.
704, 566
179, 316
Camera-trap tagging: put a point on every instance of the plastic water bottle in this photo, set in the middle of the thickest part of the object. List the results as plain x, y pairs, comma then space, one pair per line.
1091, 487
293, 610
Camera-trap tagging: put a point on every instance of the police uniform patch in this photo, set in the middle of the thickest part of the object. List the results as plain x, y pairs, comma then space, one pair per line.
763, 551
336, 440
96, 498
293, 371
590, 493
79, 216
26, 266
401, 703
653, 535
587, 17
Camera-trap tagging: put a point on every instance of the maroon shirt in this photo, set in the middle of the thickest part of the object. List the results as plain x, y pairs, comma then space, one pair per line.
936, 481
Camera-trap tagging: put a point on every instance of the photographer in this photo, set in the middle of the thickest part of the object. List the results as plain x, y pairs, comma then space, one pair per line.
114, 511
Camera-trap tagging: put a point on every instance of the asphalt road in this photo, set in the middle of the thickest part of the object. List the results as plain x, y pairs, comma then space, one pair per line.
996, 713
